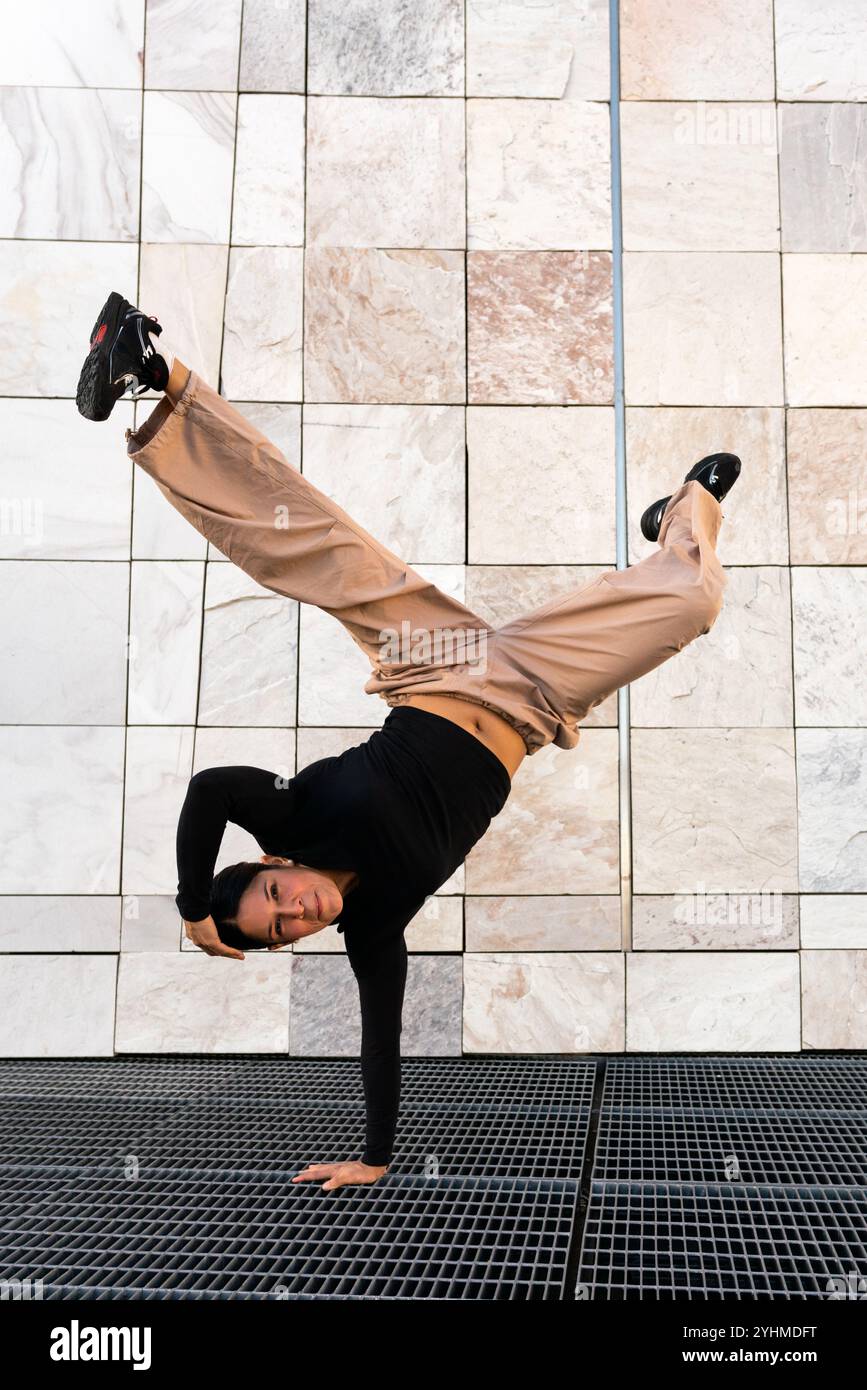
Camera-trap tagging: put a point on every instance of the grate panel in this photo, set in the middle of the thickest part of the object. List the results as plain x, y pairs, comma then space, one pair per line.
750, 1083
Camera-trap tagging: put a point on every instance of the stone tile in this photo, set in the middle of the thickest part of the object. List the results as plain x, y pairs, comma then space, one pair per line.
556, 1002
184, 287
273, 46
590, 923
71, 623
61, 792
553, 50
737, 675
832, 810
197, 1003
57, 924
268, 205
700, 176
385, 173
823, 177
500, 594
384, 326
398, 470
159, 532
540, 327
538, 175
825, 302
717, 1002
193, 44
49, 46
272, 749
53, 141
63, 495
151, 922
662, 444
365, 48
715, 922
165, 627
834, 999
827, 461
326, 1018
184, 131
829, 608
37, 344
158, 769
834, 920
558, 832
707, 50
57, 1005
249, 652
821, 50
670, 299
438, 925
714, 811
263, 333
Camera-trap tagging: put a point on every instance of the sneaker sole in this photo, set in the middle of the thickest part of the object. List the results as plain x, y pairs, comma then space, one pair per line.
95, 396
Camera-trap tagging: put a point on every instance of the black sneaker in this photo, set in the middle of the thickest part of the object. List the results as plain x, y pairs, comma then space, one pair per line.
122, 360
717, 473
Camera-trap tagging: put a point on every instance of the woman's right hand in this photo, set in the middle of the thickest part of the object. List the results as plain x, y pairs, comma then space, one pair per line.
204, 935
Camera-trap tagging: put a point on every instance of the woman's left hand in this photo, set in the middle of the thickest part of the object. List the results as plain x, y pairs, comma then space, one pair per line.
340, 1174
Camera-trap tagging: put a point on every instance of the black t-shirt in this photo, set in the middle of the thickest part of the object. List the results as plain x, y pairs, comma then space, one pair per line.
403, 810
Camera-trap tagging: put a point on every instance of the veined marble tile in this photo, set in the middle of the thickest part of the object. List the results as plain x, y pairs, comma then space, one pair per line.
700, 176
561, 1001
556, 49
193, 44
590, 923
271, 749
158, 763
503, 593
263, 333
438, 925
673, 357
715, 922
714, 811
738, 674
823, 177
189, 147
55, 141
61, 923
197, 1003
558, 832
558, 467
268, 207
398, 470
365, 48
159, 532
834, 920
821, 50
830, 637
64, 487
70, 623
538, 175
183, 287
325, 1018
61, 792
832, 810
709, 50
834, 999
663, 443
716, 1002
385, 172
165, 636
273, 46
41, 350
46, 44
151, 922
57, 1005
249, 652
384, 326
540, 327
825, 325
827, 453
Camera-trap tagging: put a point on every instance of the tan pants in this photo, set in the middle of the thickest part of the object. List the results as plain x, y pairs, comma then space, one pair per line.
542, 672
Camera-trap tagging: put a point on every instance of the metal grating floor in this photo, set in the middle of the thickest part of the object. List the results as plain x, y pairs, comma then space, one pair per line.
522, 1179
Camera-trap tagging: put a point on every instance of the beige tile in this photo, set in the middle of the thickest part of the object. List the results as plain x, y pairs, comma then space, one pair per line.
823, 177
184, 286
196, 1003
832, 810
557, 1002
825, 308
268, 202
835, 999
821, 50
827, 453
834, 920
559, 49
710, 50
540, 327
438, 925
362, 47
702, 328
715, 1002
715, 922
829, 611
590, 923
384, 326
714, 811
263, 330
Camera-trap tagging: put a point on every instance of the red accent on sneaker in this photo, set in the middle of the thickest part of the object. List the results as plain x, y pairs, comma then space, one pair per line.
100, 334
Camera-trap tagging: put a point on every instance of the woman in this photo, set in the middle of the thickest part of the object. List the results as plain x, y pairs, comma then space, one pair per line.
361, 840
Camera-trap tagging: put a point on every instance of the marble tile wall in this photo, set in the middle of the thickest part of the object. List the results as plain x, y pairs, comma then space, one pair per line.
383, 228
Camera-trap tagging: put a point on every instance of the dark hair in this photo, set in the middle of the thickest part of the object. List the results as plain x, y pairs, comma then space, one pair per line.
226, 892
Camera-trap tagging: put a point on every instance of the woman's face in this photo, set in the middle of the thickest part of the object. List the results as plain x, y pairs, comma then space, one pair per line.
284, 903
